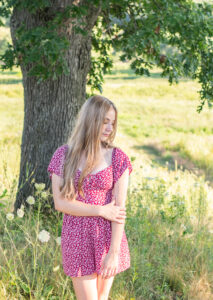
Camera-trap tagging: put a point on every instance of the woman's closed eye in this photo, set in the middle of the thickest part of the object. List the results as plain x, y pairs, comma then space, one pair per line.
107, 123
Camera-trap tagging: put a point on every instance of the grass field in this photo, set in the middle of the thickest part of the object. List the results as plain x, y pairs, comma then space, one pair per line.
170, 199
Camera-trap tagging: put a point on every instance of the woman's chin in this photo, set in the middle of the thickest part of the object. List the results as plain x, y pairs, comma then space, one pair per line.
104, 138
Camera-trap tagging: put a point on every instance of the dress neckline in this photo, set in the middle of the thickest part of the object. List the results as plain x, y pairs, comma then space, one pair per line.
113, 150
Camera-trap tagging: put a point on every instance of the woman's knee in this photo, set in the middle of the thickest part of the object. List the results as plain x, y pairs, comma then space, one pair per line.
104, 286
85, 287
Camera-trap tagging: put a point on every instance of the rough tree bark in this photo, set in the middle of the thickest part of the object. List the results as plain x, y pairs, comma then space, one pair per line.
50, 107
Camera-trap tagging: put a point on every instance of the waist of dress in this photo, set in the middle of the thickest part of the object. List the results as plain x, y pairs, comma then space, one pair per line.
97, 201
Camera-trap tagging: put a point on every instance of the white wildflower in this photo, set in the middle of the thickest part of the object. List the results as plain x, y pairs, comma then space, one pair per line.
20, 213
44, 236
56, 269
22, 207
181, 202
146, 207
58, 240
30, 200
44, 194
10, 216
149, 178
40, 186
183, 226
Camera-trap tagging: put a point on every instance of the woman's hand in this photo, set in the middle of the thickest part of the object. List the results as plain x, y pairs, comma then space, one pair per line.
109, 266
113, 213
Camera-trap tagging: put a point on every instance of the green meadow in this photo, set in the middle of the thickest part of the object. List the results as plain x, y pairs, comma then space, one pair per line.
169, 204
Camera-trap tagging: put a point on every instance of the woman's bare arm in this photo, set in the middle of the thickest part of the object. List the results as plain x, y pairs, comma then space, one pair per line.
119, 193
74, 207
109, 211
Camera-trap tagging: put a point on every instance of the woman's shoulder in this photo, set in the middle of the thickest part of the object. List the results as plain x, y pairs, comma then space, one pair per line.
121, 162
119, 153
61, 150
57, 161
60, 153
120, 157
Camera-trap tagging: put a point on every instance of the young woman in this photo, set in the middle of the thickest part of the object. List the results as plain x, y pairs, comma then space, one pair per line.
89, 183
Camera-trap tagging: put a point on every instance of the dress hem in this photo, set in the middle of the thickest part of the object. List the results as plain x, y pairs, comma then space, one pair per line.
122, 270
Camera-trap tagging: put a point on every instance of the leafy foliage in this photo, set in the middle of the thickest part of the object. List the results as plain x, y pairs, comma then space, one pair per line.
146, 31
173, 35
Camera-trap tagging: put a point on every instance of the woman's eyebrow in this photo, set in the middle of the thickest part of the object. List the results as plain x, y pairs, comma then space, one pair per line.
109, 119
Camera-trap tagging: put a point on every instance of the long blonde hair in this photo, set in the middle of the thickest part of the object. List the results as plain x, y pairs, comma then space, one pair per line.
85, 138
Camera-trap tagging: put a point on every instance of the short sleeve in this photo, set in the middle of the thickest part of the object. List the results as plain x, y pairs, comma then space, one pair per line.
120, 163
56, 164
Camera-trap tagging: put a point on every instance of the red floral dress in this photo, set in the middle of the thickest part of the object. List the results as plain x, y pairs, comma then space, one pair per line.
85, 241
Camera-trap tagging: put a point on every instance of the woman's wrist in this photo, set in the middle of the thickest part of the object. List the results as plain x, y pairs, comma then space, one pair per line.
113, 251
99, 210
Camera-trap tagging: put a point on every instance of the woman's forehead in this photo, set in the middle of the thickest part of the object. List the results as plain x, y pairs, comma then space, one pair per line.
110, 114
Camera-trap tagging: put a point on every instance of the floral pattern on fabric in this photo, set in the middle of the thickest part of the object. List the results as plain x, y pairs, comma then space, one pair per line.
85, 241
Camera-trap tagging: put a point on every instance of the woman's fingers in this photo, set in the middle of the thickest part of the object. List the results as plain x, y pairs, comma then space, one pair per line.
122, 214
106, 273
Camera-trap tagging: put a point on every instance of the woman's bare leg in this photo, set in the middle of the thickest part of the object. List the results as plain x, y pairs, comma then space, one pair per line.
85, 287
104, 286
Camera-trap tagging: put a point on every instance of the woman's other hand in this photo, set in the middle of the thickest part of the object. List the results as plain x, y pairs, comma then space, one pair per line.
109, 265
113, 212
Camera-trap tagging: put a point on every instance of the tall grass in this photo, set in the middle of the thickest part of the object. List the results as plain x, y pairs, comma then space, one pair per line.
169, 232
169, 208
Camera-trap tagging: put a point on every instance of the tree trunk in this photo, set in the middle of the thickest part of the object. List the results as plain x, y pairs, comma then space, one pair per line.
50, 107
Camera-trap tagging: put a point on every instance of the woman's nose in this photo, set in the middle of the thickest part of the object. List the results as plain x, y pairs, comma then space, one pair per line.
109, 127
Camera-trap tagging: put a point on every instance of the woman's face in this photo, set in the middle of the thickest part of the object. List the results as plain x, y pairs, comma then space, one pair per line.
108, 124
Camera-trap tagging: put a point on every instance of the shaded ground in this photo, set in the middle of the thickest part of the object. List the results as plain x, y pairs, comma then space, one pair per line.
159, 155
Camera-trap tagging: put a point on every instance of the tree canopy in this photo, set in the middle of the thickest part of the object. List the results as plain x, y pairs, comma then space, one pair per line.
176, 36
